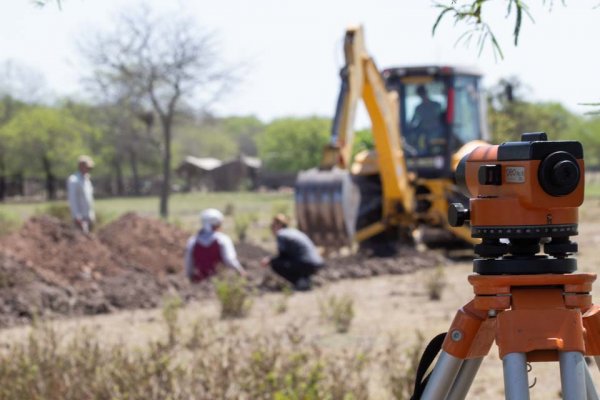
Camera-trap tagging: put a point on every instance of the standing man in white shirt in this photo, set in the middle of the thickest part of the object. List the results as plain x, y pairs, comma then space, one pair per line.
81, 195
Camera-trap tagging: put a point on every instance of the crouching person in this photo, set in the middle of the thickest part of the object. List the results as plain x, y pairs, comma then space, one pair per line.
297, 259
209, 248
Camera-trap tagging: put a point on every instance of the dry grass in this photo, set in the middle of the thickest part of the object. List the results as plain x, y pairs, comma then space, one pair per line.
400, 366
233, 295
384, 307
435, 284
242, 223
339, 311
281, 305
205, 364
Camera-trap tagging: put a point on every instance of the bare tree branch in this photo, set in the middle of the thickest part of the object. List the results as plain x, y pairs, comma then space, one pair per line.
160, 62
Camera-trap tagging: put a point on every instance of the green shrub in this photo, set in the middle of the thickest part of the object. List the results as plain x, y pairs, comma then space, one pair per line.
400, 366
229, 209
339, 311
241, 224
233, 296
170, 312
435, 284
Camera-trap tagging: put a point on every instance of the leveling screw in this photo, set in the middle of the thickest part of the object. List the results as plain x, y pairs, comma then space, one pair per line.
456, 335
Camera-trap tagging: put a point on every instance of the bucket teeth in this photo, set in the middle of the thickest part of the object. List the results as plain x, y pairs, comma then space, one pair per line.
326, 206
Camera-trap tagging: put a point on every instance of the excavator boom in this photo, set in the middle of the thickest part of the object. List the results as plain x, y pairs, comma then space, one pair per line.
346, 199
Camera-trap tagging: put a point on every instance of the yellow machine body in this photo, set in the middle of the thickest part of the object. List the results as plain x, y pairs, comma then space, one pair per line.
406, 180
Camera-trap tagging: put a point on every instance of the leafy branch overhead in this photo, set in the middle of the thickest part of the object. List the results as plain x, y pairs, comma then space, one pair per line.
471, 15
42, 3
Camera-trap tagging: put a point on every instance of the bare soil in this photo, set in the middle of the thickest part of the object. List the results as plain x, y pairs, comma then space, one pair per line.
50, 269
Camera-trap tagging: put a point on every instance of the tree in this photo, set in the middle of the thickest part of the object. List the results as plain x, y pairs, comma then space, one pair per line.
363, 140
44, 140
244, 130
157, 63
293, 144
9, 107
587, 133
222, 138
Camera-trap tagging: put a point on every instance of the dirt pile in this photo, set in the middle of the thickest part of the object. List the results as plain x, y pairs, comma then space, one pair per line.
145, 244
48, 268
59, 254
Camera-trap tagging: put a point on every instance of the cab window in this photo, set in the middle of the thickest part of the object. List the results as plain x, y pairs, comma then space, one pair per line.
466, 123
423, 118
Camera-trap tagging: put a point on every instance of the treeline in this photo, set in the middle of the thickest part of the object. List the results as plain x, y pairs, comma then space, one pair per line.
42, 141
510, 114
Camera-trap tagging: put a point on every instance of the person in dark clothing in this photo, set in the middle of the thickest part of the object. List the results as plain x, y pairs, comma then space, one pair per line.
297, 259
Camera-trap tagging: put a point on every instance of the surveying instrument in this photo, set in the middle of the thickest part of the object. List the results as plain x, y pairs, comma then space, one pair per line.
522, 195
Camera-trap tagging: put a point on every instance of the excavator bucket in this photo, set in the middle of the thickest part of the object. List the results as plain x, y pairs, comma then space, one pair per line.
327, 203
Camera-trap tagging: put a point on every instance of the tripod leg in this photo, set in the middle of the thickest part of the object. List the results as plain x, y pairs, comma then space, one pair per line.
442, 377
516, 385
597, 360
589, 386
464, 379
572, 375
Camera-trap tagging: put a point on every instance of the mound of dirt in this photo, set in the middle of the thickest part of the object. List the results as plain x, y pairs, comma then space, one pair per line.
146, 244
49, 268
60, 254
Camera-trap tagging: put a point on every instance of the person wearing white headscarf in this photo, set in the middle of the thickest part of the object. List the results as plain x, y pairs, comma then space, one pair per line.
209, 248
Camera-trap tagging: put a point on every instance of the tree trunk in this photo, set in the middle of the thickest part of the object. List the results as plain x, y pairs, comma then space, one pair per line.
119, 176
134, 172
2, 178
20, 183
166, 182
50, 179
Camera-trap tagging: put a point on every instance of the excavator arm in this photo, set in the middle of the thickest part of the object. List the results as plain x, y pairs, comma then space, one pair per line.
361, 80
327, 188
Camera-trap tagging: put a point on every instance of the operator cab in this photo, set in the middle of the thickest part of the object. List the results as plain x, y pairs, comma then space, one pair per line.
441, 109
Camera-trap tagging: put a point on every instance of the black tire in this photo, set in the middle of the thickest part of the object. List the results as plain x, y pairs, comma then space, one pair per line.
384, 244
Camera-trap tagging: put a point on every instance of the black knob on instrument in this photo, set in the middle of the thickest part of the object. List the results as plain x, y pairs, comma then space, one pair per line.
458, 214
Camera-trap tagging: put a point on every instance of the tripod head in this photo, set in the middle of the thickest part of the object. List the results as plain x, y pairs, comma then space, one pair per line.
522, 194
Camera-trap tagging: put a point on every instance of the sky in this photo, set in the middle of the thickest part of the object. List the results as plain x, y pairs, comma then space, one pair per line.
292, 50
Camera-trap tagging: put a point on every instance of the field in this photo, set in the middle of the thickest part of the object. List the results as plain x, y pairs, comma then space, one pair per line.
271, 349
184, 208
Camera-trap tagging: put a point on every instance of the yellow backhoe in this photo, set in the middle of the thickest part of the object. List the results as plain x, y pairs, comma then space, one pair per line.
424, 119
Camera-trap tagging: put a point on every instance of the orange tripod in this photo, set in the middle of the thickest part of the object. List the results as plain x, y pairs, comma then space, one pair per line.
521, 194
541, 317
